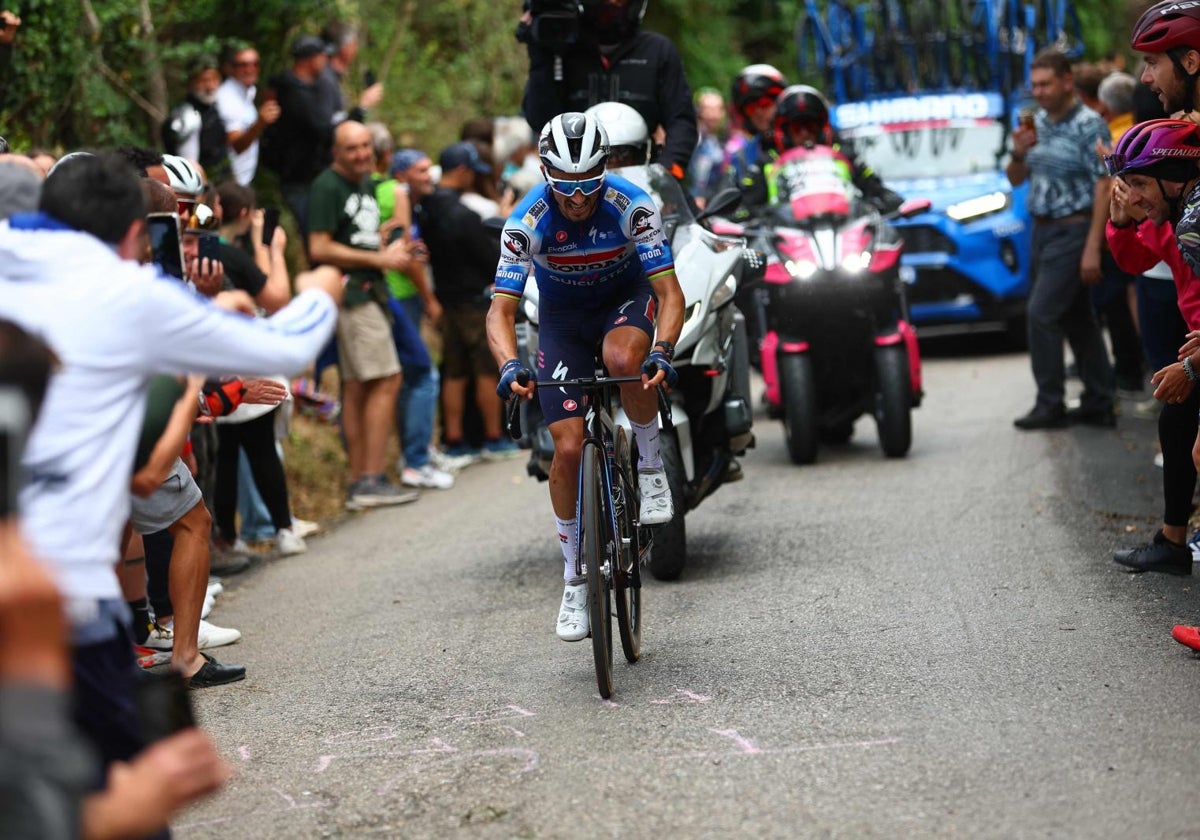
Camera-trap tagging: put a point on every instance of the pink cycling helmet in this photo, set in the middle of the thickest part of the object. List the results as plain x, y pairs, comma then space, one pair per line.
1165, 149
1167, 25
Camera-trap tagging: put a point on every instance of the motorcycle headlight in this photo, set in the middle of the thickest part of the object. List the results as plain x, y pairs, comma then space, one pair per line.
982, 205
801, 269
854, 263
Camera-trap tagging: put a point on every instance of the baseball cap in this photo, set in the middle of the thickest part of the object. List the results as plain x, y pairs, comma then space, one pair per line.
306, 46
463, 154
405, 159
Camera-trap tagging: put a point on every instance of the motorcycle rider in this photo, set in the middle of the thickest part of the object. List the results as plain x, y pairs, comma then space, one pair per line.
802, 119
613, 58
595, 245
753, 96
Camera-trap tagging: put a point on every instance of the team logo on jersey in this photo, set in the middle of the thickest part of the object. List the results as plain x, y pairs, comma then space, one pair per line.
516, 242
561, 236
617, 198
592, 261
641, 221
620, 321
570, 405
535, 212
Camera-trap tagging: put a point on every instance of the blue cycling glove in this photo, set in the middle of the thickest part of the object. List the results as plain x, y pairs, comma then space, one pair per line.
508, 375
656, 361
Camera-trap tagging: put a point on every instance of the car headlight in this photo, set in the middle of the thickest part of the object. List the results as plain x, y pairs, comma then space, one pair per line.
982, 205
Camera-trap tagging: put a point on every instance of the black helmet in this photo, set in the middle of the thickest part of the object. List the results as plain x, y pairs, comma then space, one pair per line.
799, 105
613, 22
754, 84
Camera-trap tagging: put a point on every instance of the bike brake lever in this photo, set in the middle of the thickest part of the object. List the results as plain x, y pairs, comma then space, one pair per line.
513, 418
664, 409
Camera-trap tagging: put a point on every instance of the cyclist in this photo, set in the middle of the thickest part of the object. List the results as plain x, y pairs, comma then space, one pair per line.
1168, 36
594, 243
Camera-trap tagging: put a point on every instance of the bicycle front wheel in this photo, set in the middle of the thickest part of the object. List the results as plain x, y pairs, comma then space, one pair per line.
627, 577
594, 544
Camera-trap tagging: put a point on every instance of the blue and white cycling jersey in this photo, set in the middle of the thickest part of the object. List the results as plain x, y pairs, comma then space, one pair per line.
583, 264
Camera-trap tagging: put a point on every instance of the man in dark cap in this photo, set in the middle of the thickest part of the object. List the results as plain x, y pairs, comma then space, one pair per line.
194, 129
297, 146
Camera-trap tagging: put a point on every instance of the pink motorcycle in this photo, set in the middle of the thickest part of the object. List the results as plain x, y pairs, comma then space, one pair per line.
837, 341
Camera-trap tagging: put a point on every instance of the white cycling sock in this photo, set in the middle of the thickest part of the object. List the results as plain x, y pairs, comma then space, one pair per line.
568, 537
649, 457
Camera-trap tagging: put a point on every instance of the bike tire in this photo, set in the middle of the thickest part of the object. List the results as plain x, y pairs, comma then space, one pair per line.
627, 577
893, 406
799, 407
594, 540
668, 553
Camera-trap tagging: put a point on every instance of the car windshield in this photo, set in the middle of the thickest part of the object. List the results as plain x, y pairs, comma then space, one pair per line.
933, 149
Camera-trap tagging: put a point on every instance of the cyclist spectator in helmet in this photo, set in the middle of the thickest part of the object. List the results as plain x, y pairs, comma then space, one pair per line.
1148, 183
594, 243
802, 118
1168, 36
753, 96
612, 58
194, 129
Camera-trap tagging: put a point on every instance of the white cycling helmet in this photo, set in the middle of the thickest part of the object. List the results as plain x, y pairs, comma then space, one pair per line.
628, 136
184, 178
574, 143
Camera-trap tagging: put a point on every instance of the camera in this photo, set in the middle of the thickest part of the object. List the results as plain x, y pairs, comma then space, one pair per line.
555, 23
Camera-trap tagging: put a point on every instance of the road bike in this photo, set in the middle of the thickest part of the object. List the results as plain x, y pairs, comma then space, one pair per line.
612, 544
837, 45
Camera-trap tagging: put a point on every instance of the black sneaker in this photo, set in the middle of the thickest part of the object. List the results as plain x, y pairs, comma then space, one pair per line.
1160, 555
1042, 418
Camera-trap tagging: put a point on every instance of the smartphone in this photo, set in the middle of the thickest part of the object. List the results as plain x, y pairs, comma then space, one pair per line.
164, 705
209, 245
270, 222
369, 78
14, 428
165, 247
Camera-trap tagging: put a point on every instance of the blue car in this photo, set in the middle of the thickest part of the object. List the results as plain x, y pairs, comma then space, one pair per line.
966, 261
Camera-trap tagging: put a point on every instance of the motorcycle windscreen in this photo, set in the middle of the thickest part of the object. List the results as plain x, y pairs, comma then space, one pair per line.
813, 182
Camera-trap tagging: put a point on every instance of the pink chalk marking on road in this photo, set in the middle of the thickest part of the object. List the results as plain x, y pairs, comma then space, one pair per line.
530, 756
244, 752
323, 763
493, 715
612, 704
745, 745
438, 746
756, 750
689, 697
515, 731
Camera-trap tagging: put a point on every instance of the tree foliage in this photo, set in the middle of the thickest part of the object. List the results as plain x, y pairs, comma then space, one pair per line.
103, 72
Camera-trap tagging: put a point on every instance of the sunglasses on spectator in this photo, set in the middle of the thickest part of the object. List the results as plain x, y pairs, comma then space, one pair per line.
567, 187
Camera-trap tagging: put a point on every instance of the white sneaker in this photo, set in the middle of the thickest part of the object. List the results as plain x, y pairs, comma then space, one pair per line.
303, 528
210, 601
657, 507
1194, 545
289, 543
451, 463
573, 614
427, 476
160, 638
211, 636
215, 587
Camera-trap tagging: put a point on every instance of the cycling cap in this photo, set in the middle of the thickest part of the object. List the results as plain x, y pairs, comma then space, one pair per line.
754, 84
626, 130
183, 176
1164, 149
574, 143
1167, 25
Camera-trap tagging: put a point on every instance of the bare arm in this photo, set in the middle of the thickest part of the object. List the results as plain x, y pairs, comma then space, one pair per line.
158, 466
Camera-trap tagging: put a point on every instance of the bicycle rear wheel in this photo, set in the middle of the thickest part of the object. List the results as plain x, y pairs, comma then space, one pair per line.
596, 526
627, 576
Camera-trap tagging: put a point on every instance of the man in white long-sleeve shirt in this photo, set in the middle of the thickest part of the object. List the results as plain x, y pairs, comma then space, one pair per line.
69, 275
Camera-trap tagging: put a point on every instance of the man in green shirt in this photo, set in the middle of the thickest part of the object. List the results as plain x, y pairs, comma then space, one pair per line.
343, 220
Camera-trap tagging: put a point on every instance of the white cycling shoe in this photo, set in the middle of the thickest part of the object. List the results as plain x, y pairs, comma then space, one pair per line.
573, 614
656, 506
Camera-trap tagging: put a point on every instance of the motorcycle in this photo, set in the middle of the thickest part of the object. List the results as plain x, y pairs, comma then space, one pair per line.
838, 343
710, 415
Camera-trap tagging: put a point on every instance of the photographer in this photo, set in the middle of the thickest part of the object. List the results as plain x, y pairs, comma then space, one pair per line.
585, 53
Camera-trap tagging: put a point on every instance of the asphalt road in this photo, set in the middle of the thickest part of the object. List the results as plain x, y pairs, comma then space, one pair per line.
937, 646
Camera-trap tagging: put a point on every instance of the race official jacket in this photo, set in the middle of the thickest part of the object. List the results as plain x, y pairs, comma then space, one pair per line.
584, 264
1138, 248
645, 73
